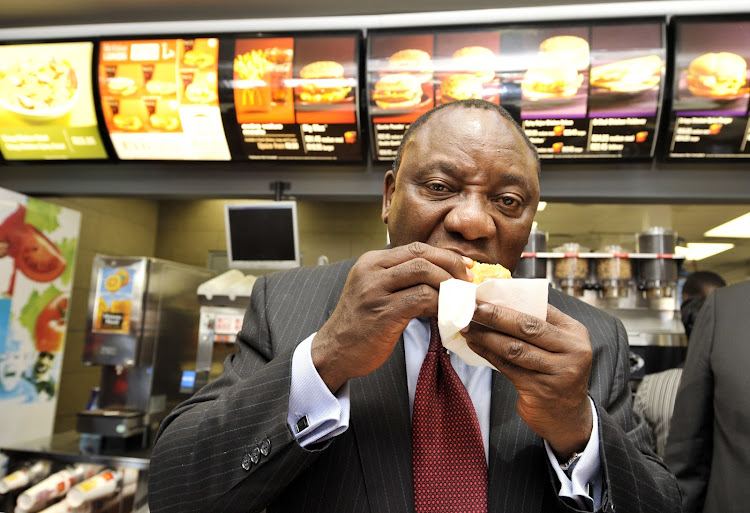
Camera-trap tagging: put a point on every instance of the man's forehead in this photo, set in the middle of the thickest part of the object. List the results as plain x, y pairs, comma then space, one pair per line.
457, 120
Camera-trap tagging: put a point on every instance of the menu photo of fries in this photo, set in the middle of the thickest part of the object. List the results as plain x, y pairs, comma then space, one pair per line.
251, 71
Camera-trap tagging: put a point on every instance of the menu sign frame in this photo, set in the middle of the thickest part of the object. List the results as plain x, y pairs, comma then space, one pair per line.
295, 98
603, 102
47, 103
159, 98
709, 112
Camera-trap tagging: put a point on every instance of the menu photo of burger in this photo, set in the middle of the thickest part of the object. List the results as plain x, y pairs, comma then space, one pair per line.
717, 75
403, 84
558, 72
631, 76
469, 74
323, 83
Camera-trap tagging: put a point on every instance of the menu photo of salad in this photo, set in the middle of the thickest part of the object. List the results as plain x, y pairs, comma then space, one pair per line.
46, 103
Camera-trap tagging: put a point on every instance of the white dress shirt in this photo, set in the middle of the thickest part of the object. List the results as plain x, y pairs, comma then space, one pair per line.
327, 415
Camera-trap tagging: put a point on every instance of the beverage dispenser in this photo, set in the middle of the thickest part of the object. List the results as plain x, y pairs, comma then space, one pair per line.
657, 276
142, 331
531, 265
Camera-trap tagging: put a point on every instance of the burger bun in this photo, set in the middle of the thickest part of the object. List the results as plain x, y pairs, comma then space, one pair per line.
397, 91
413, 61
478, 60
717, 75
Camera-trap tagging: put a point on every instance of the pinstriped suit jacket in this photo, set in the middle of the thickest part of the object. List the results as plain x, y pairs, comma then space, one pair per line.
197, 462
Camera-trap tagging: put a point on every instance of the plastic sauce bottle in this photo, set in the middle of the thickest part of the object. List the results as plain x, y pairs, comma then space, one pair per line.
101, 485
23, 477
56, 485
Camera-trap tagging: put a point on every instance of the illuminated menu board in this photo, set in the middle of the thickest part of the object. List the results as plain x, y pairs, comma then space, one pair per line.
46, 104
297, 98
160, 99
578, 92
709, 117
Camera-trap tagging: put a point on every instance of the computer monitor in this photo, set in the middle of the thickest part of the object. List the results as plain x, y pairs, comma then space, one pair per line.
262, 235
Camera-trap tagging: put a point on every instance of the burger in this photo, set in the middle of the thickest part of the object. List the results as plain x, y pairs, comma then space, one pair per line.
323, 82
551, 82
484, 272
460, 87
413, 61
631, 75
566, 50
717, 75
478, 60
399, 90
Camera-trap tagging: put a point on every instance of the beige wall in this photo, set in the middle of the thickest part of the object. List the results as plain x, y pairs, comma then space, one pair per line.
109, 226
184, 231
188, 230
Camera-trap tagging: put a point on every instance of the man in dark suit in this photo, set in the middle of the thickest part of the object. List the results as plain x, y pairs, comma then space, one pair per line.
708, 447
313, 414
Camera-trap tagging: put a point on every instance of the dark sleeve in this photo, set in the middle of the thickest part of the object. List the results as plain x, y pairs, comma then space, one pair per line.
228, 448
690, 442
635, 479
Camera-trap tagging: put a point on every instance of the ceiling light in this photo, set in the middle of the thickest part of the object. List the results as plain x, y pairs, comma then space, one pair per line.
739, 228
542, 206
701, 250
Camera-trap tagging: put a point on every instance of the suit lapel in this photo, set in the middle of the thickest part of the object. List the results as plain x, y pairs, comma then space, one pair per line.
517, 467
381, 424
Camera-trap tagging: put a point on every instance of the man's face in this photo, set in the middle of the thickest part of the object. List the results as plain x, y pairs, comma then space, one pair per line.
468, 183
43, 363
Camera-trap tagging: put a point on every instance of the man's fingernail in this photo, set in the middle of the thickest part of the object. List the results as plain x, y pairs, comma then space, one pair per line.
467, 261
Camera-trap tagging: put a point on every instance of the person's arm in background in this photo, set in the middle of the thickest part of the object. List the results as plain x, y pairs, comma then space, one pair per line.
690, 440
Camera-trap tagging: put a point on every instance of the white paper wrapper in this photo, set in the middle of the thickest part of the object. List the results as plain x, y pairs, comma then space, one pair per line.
457, 299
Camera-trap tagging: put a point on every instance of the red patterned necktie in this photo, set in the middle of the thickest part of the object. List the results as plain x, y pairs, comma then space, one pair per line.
450, 469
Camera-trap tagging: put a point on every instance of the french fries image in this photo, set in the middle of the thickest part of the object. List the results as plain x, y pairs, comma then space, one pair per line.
253, 66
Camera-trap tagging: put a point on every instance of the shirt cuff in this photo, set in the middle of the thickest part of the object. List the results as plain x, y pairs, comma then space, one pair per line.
315, 414
583, 480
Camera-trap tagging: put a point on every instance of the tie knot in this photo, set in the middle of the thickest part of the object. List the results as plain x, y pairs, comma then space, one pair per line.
436, 344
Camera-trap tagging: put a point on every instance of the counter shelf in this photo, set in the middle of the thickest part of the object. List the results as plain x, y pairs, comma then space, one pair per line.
64, 448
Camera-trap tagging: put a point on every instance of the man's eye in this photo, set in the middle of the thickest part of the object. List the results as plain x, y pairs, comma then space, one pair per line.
509, 202
437, 187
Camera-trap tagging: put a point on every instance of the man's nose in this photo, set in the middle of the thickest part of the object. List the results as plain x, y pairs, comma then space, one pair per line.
471, 217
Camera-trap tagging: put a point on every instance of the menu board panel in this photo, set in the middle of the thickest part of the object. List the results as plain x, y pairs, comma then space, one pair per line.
46, 103
160, 99
584, 91
709, 117
297, 98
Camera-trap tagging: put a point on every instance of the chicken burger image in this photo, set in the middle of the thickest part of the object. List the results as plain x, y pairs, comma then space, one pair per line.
461, 87
628, 76
396, 91
478, 60
551, 82
323, 82
566, 50
413, 61
717, 75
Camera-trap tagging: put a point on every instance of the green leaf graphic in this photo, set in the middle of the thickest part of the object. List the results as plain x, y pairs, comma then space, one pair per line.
43, 215
34, 307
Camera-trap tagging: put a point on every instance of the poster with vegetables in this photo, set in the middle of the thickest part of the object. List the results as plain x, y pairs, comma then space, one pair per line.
38, 242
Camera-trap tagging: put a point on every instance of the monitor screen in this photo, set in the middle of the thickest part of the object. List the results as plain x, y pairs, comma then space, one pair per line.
262, 235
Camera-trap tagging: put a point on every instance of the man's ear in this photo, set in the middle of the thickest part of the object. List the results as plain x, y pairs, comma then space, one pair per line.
389, 186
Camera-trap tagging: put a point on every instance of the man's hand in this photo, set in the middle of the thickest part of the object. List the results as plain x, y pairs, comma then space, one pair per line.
383, 292
548, 362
